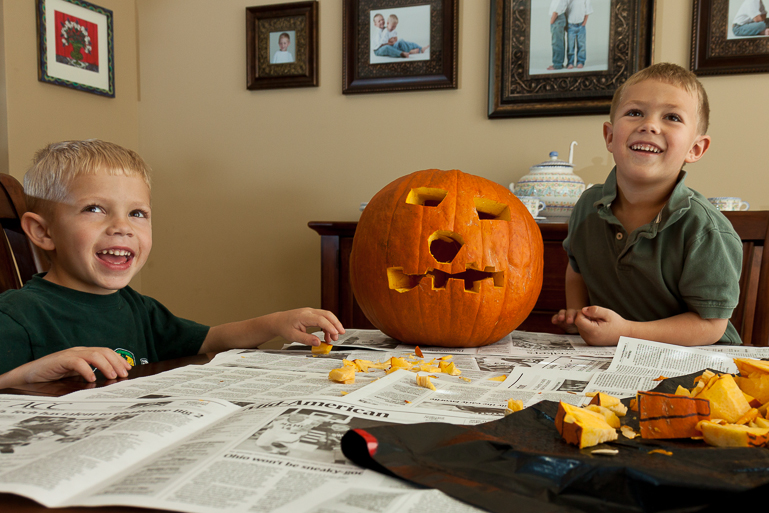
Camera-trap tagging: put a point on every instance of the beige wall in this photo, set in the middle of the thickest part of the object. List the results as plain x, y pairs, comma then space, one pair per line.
238, 173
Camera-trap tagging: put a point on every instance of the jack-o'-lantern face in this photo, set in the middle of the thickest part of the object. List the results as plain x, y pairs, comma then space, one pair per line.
446, 258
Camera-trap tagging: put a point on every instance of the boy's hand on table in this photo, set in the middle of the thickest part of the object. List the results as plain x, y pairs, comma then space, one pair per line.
292, 325
600, 326
69, 362
564, 319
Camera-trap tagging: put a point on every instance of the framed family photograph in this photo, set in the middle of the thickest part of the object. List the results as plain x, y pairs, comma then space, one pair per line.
729, 36
75, 46
565, 57
282, 45
399, 45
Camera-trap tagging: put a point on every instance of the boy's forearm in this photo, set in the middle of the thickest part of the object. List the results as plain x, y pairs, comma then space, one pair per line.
687, 329
576, 290
242, 334
12, 378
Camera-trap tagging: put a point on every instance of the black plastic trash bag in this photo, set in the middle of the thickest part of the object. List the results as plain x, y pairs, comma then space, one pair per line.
520, 463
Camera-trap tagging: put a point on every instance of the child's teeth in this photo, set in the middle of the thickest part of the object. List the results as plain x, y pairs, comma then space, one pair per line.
645, 147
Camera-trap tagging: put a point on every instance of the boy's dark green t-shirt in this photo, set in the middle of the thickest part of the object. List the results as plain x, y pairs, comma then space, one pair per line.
43, 318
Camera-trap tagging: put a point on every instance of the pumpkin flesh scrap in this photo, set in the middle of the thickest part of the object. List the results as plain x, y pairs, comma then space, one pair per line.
581, 427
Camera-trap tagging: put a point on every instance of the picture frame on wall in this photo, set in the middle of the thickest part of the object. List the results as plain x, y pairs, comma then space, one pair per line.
76, 46
399, 45
282, 45
543, 64
729, 37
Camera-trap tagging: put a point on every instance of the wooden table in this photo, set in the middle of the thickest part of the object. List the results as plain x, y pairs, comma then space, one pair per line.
337, 296
10, 503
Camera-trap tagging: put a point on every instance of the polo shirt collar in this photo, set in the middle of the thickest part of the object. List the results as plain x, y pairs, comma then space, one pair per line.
676, 206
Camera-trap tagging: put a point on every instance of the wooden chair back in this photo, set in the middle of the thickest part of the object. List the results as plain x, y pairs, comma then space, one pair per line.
751, 317
19, 260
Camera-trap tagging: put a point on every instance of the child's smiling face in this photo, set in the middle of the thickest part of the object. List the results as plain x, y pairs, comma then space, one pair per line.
283, 43
654, 132
379, 21
101, 234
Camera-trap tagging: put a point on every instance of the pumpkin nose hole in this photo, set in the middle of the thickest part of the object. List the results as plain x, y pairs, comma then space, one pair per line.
444, 245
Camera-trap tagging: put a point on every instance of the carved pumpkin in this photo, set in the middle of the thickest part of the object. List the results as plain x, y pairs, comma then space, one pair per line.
446, 258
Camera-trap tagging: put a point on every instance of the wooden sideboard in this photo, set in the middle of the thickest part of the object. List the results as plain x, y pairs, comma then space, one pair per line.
336, 292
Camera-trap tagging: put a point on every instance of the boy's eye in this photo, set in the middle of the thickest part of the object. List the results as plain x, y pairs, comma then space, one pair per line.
633, 113
674, 117
139, 213
94, 208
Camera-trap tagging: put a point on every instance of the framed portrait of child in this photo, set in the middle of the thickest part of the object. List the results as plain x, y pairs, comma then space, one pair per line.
282, 45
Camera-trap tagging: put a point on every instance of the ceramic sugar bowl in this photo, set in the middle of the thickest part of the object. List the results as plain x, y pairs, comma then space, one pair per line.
555, 183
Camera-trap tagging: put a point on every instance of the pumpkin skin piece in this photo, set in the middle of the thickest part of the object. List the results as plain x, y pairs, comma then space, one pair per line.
670, 416
426, 237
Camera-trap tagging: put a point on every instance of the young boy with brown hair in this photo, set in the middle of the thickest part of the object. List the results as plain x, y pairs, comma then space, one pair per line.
90, 211
648, 257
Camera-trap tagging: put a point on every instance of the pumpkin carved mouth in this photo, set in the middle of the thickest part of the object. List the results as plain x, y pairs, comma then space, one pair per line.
444, 247
402, 282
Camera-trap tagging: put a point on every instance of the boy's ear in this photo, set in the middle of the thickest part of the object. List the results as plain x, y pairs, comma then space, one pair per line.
608, 135
699, 148
36, 228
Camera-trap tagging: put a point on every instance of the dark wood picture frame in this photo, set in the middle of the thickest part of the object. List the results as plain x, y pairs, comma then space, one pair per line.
514, 92
261, 21
714, 53
75, 46
439, 72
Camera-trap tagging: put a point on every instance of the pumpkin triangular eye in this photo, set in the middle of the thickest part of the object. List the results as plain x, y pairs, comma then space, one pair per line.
491, 210
426, 196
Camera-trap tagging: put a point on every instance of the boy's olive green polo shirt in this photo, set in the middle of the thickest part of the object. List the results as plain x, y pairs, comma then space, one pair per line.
688, 259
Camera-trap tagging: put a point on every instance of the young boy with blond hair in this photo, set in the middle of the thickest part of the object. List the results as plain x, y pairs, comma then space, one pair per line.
90, 212
648, 257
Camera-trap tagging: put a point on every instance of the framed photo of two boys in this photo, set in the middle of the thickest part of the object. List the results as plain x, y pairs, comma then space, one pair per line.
730, 36
564, 57
399, 45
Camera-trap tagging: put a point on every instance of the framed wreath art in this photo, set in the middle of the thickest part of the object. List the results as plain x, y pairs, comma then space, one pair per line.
75, 46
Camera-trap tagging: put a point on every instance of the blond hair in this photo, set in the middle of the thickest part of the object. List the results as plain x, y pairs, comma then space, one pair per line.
284, 34
675, 75
55, 166
393, 17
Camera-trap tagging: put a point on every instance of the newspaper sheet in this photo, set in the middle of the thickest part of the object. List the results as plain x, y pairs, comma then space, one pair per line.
209, 457
479, 397
517, 342
55, 448
277, 447
637, 363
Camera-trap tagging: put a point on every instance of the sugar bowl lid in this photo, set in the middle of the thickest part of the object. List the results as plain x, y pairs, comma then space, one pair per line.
554, 163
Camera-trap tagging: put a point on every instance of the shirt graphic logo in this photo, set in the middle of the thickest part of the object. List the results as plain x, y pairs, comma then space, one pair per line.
127, 356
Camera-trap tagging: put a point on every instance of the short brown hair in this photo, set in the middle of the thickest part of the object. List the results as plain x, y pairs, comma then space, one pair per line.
55, 166
672, 74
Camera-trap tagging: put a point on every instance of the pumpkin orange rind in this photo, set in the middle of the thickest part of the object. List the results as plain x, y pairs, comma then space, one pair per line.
446, 258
